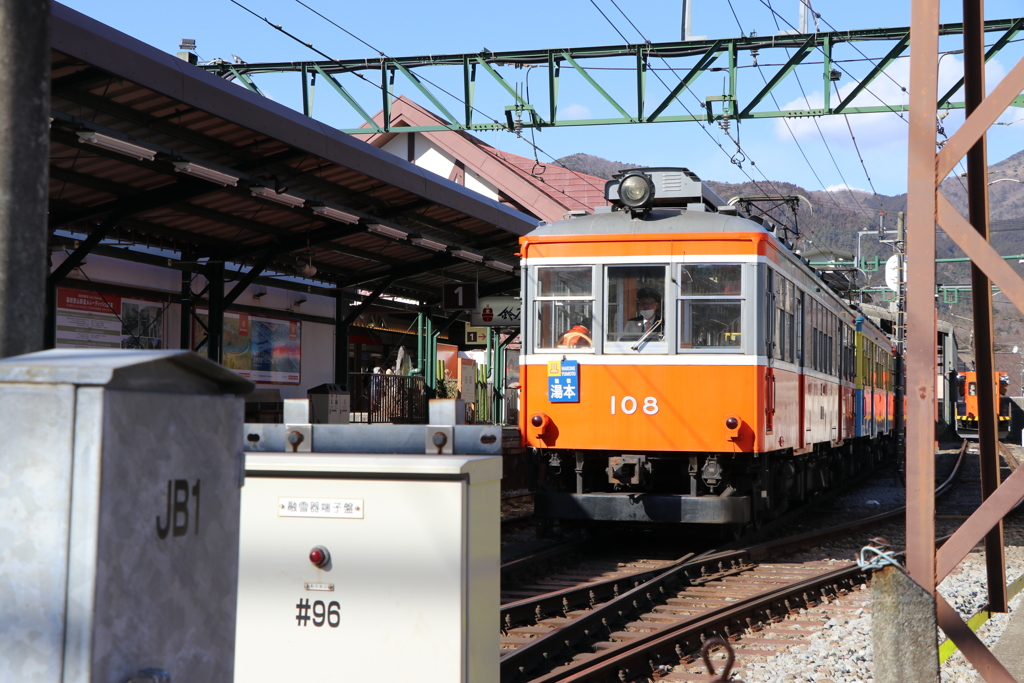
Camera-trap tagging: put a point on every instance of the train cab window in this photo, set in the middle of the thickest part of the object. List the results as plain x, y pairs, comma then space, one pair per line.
710, 306
972, 388
635, 312
564, 307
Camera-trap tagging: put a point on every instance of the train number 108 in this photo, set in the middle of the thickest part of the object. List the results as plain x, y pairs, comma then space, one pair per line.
628, 405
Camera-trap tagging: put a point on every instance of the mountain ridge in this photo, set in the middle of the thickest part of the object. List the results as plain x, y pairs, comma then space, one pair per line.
839, 215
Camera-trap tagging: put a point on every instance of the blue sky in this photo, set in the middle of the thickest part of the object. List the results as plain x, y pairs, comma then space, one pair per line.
401, 28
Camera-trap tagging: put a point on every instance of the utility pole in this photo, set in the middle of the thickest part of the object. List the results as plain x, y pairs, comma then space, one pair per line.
803, 23
24, 157
899, 383
687, 20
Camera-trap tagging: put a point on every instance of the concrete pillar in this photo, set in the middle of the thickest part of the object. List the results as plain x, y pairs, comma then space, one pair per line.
24, 158
903, 629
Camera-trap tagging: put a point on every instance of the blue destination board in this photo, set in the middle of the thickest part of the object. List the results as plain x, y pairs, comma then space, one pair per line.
563, 381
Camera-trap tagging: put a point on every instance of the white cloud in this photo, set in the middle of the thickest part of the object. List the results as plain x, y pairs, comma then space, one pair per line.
884, 130
574, 112
843, 187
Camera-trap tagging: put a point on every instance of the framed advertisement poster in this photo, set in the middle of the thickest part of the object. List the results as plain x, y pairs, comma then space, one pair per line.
91, 320
260, 348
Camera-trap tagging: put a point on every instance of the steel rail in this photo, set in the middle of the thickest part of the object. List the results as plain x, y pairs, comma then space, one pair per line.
544, 555
650, 585
1011, 460
642, 656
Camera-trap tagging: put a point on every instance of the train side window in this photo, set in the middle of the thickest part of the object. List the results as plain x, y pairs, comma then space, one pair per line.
779, 329
634, 309
564, 307
851, 353
710, 306
783, 303
799, 328
815, 329
833, 342
972, 388
790, 322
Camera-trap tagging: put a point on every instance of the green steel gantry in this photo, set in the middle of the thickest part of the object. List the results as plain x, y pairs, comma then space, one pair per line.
700, 57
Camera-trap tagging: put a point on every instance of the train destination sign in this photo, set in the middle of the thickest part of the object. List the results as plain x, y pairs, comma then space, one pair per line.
563, 381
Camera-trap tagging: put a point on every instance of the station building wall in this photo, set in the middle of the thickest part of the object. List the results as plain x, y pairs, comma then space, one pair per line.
163, 285
429, 156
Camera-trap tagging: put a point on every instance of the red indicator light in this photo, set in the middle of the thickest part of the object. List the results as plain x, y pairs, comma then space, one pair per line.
319, 556
537, 420
732, 423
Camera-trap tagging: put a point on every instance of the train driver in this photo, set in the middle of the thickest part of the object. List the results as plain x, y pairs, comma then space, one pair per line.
647, 324
578, 336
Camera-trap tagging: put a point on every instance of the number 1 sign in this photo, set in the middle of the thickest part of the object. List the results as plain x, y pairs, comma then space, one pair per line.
459, 296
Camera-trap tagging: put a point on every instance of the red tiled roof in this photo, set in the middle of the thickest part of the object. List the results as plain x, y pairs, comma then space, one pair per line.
546, 191
576, 191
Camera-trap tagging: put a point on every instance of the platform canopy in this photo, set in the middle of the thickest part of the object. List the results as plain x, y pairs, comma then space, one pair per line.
155, 160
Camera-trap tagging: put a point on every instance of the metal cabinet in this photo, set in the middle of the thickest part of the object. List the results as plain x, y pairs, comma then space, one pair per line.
362, 566
119, 476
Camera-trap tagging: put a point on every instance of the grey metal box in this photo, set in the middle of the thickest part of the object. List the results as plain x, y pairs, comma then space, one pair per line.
447, 411
411, 590
329, 404
119, 475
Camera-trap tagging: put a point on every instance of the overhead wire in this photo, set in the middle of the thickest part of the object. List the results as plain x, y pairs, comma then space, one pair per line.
448, 126
885, 104
813, 234
821, 134
687, 109
793, 135
776, 16
790, 129
446, 92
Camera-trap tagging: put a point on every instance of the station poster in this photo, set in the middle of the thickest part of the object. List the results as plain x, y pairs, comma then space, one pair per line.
91, 320
260, 348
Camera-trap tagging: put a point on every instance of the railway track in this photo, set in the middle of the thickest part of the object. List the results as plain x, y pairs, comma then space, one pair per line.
648, 619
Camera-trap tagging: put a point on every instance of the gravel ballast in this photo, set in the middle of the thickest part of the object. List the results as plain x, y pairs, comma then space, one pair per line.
841, 650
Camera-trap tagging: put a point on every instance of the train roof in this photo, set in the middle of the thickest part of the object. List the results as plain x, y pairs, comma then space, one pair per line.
880, 313
657, 220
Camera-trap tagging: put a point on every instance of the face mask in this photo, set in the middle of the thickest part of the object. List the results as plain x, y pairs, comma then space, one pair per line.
647, 314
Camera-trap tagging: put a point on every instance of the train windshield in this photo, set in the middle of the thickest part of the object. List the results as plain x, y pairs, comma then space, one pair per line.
634, 314
710, 306
564, 307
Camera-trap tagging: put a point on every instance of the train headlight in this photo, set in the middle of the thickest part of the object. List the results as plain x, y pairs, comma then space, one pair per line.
540, 423
636, 191
733, 423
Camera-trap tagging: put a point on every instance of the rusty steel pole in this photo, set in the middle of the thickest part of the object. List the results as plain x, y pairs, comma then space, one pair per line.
921, 327
981, 291
926, 206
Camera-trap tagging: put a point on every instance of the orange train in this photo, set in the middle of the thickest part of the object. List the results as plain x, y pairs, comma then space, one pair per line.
682, 364
967, 404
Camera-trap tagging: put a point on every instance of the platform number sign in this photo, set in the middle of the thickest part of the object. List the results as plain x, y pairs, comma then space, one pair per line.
563, 381
459, 296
